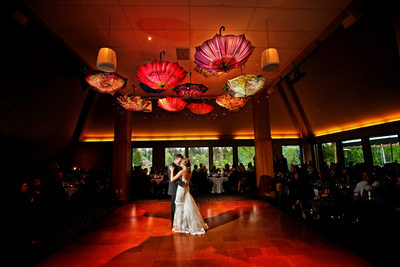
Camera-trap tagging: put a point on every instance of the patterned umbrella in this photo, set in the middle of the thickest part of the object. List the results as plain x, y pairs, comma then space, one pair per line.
200, 108
161, 74
150, 90
223, 53
105, 82
206, 73
244, 85
231, 103
133, 103
189, 90
172, 104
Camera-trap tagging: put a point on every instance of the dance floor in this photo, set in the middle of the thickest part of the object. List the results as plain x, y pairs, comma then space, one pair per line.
242, 233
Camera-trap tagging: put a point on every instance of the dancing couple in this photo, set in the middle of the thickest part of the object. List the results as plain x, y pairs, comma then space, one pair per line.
185, 215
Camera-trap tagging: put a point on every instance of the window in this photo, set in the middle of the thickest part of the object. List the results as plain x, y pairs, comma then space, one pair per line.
142, 157
199, 155
246, 155
222, 155
353, 152
385, 149
292, 154
170, 153
329, 152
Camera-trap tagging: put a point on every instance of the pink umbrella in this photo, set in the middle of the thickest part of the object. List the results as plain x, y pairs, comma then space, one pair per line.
223, 53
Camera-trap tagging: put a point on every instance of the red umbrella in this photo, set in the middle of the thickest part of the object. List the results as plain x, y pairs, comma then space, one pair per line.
133, 103
200, 108
105, 82
172, 104
161, 74
223, 53
188, 90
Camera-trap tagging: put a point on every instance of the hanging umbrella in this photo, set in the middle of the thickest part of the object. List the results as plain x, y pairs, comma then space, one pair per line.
206, 73
172, 104
223, 53
105, 82
189, 90
133, 103
150, 90
231, 103
161, 74
244, 85
200, 108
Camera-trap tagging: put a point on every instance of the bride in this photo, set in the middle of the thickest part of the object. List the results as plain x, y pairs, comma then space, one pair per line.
187, 216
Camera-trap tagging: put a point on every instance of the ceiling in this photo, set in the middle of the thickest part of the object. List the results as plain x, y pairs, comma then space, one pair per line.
83, 25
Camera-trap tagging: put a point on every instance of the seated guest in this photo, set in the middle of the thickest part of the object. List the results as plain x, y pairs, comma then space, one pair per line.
363, 186
226, 170
213, 170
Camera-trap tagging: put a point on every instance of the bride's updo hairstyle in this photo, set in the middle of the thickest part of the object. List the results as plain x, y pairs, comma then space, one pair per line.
186, 163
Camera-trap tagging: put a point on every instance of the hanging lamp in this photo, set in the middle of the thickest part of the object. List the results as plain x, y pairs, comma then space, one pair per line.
107, 58
270, 56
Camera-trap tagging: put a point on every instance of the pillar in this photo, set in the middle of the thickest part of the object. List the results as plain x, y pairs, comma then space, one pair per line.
122, 154
262, 143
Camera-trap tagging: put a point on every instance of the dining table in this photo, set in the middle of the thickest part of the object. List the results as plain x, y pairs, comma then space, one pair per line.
217, 184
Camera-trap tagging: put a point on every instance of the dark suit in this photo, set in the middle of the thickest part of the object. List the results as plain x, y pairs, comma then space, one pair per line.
172, 187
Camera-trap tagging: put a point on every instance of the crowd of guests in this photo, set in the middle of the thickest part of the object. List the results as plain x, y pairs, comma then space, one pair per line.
154, 182
45, 198
346, 194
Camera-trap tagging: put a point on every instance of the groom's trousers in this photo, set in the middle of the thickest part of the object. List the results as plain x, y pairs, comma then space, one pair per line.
172, 208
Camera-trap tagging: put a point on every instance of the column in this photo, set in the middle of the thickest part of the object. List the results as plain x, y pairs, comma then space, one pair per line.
122, 154
263, 144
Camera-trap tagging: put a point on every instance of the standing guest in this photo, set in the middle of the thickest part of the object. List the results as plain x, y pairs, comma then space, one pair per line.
243, 181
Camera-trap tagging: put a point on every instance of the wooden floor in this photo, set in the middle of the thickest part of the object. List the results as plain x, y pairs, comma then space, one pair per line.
242, 233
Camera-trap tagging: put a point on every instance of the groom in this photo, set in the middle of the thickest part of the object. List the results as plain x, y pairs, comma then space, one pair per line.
173, 186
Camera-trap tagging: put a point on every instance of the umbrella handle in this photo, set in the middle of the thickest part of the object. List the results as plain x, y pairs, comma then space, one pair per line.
162, 52
221, 29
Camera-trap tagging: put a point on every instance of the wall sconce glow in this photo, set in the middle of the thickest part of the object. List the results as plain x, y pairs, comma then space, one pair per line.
149, 38
270, 59
107, 60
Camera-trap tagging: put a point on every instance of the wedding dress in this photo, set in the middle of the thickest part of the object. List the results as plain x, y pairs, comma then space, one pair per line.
187, 217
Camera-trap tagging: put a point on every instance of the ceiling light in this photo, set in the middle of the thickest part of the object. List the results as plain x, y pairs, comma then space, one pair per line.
270, 56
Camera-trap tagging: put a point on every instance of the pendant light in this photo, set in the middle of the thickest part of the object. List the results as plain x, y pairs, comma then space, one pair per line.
107, 58
270, 56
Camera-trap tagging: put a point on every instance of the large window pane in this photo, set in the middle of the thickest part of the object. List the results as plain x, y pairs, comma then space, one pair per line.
199, 155
222, 156
329, 152
292, 154
142, 157
170, 153
385, 149
246, 155
353, 152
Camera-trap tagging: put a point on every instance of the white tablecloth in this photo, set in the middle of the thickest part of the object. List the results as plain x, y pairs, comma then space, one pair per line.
217, 184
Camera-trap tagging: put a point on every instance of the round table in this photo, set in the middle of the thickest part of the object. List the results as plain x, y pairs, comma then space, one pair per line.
217, 184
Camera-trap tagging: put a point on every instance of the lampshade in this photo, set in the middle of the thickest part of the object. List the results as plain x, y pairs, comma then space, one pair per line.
107, 60
270, 59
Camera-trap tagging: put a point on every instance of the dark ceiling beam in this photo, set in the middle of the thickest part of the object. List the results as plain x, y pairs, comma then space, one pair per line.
90, 97
299, 106
289, 108
396, 21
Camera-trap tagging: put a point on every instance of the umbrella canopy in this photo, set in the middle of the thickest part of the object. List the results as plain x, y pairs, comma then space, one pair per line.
150, 90
231, 103
200, 108
161, 74
105, 82
244, 85
206, 73
189, 90
171, 104
133, 103
223, 53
